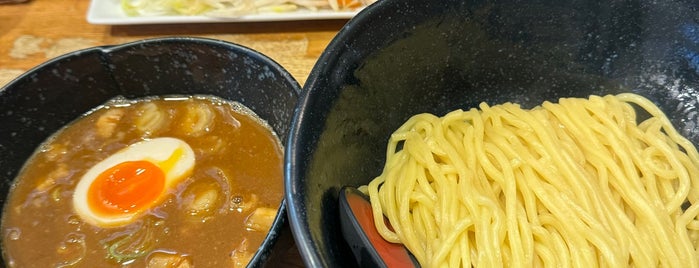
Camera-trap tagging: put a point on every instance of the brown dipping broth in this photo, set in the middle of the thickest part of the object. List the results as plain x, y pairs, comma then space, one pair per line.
237, 154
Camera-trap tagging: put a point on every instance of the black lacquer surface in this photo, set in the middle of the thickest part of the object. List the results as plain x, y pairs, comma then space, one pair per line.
402, 57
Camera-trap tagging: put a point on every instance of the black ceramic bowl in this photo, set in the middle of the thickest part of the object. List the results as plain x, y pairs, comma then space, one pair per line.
46, 98
402, 57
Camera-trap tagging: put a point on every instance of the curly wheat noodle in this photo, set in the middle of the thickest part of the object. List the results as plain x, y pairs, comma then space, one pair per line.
578, 183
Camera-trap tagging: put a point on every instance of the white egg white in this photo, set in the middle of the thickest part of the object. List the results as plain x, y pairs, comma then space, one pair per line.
174, 157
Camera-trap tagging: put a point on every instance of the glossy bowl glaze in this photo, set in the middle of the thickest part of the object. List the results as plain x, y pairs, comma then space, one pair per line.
48, 97
402, 57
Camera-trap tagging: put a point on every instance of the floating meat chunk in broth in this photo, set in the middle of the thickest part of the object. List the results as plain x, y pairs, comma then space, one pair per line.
211, 145
60, 172
202, 199
198, 119
244, 204
207, 195
242, 254
54, 152
261, 219
168, 260
151, 118
108, 122
228, 117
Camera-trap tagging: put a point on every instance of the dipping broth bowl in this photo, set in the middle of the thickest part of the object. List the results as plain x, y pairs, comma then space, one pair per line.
398, 58
46, 98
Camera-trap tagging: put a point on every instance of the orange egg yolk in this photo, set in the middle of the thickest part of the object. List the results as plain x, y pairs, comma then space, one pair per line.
126, 187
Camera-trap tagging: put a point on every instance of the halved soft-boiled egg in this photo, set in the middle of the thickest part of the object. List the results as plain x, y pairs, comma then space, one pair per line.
117, 190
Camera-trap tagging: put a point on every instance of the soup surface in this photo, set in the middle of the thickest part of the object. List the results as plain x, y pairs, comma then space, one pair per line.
213, 212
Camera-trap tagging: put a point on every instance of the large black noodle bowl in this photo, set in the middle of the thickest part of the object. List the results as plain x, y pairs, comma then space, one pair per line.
46, 98
402, 57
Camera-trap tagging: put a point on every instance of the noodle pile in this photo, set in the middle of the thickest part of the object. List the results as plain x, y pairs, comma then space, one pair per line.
579, 183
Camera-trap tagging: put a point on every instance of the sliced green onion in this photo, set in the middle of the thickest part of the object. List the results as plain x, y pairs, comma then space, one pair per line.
127, 247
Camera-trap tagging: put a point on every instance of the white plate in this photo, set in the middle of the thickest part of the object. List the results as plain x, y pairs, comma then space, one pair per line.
109, 12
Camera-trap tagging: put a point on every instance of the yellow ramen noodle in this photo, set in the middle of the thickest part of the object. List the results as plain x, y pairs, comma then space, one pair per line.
579, 183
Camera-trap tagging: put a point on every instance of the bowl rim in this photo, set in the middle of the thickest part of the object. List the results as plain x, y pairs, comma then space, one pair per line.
106, 49
296, 208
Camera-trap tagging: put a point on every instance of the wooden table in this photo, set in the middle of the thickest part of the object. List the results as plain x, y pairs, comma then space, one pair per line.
33, 32
38, 30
